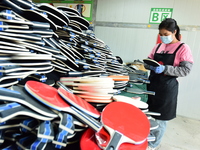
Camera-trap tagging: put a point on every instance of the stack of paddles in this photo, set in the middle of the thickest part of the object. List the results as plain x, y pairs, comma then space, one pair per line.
33, 33
52, 117
96, 90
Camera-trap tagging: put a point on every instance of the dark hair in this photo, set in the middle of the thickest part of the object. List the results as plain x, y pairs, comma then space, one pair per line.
170, 25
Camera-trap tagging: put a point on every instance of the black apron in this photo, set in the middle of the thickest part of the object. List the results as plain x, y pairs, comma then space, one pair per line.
165, 87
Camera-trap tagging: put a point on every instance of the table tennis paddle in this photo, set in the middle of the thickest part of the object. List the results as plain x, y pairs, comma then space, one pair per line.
9, 43
79, 24
8, 83
96, 82
25, 24
35, 37
38, 90
24, 62
152, 113
85, 73
139, 91
20, 95
4, 26
53, 10
75, 27
151, 62
14, 109
134, 131
44, 33
49, 43
14, 48
17, 69
7, 14
68, 9
29, 125
137, 78
19, 39
29, 14
43, 49
86, 90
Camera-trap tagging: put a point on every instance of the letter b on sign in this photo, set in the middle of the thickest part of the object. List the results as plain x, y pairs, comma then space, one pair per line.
155, 17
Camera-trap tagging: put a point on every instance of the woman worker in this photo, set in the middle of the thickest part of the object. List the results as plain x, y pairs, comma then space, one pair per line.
176, 61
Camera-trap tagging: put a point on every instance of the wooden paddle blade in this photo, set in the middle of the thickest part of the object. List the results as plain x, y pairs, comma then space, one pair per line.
119, 78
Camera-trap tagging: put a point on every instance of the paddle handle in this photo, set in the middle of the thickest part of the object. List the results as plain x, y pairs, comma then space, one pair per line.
129, 90
66, 122
153, 113
118, 138
150, 92
64, 87
144, 80
46, 131
151, 138
60, 139
91, 122
41, 25
114, 143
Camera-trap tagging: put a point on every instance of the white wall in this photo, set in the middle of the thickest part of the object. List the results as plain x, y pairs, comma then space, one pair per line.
136, 43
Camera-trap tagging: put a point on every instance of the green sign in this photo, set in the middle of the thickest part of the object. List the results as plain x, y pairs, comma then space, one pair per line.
157, 15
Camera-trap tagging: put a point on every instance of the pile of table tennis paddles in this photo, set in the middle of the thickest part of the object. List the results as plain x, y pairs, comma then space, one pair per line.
41, 44
39, 116
38, 39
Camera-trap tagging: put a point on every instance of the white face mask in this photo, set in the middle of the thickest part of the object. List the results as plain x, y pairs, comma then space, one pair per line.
166, 39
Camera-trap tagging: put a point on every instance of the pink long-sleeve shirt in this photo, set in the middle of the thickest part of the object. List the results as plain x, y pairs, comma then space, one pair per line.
183, 54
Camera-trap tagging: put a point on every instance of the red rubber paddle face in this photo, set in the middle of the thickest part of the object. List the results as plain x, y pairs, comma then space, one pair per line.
50, 96
46, 94
79, 103
126, 119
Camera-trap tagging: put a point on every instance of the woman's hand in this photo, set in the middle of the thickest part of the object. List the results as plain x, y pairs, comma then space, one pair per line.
158, 69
